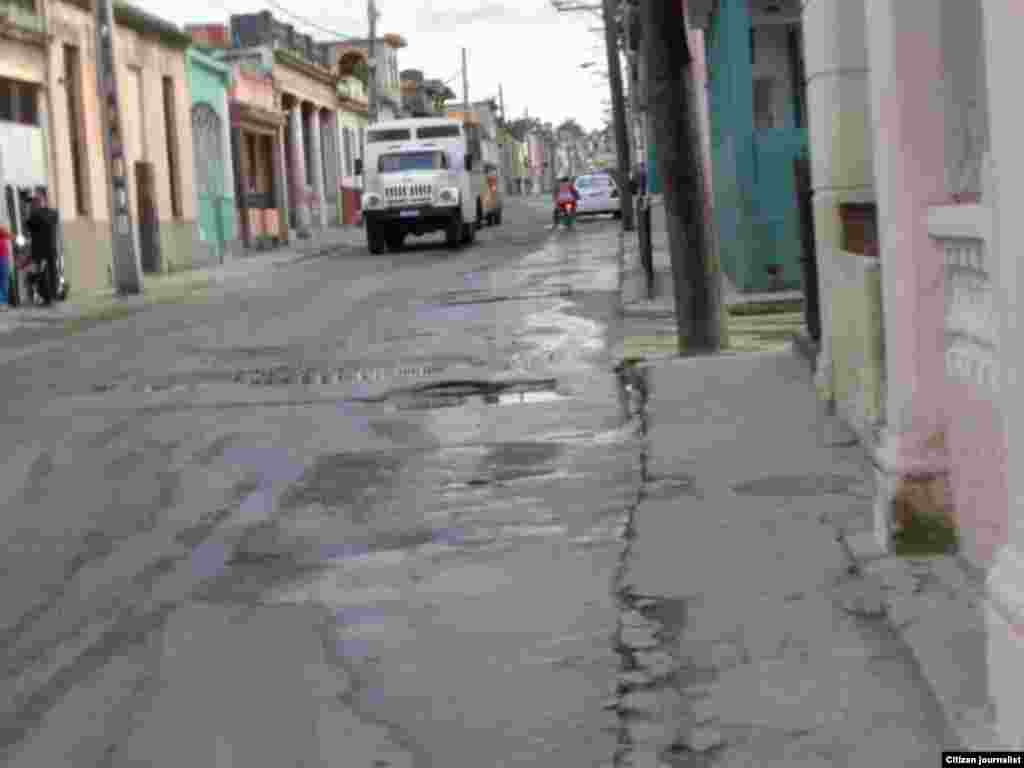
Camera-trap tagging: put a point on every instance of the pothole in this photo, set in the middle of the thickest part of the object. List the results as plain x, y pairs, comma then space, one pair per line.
454, 393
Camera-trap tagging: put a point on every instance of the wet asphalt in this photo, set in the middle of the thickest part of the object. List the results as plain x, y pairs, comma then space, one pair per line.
362, 511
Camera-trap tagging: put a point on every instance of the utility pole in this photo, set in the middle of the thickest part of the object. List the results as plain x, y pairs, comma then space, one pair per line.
501, 101
619, 112
372, 95
465, 83
673, 117
611, 30
126, 266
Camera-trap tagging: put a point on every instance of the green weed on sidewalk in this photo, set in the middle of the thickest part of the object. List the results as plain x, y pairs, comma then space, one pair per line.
750, 328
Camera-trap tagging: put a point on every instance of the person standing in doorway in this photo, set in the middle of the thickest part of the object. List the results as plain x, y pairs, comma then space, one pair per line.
6, 266
42, 226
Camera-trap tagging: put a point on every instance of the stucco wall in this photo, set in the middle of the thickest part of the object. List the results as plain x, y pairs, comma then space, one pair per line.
142, 63
208, 84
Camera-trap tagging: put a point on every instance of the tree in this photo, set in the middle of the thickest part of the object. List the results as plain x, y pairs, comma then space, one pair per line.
571, 127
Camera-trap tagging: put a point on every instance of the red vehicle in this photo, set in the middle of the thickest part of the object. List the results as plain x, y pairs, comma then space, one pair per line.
565, 203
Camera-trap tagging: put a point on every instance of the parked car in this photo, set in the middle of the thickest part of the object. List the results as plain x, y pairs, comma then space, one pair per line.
598, 194
492, 205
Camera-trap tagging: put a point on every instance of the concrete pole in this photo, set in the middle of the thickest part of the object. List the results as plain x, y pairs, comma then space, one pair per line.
372, 95
618, 112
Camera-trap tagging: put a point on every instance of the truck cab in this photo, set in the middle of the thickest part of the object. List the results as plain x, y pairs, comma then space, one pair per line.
421, 176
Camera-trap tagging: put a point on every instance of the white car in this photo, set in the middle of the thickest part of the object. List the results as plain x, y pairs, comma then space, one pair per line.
598, 194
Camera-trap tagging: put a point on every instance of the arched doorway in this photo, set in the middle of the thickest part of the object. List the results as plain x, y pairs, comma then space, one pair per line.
207, 136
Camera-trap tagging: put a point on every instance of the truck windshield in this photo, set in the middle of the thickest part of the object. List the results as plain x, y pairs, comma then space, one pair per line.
396, 162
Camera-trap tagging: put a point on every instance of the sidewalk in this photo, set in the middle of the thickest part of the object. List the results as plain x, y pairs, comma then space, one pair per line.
82, 310
736, 577
777, 494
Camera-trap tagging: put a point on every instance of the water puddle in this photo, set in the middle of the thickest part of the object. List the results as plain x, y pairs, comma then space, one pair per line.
451, 394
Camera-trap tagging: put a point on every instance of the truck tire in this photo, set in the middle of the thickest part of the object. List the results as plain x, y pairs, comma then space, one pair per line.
394, 241
497, 218
453, 232
375, 239
469, 233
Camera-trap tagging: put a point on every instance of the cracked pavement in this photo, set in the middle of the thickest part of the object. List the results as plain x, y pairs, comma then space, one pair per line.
403, 511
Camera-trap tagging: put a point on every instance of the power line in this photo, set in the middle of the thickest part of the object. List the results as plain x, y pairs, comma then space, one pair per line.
301, 19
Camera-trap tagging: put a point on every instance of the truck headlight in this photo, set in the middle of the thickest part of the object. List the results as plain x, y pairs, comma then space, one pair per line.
372, 200
448, 196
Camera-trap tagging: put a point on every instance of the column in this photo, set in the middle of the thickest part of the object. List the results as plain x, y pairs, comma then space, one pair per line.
297, 179
316, 146
281, 191
230, 149
907, 105
1004, 30
839, 128
333, 179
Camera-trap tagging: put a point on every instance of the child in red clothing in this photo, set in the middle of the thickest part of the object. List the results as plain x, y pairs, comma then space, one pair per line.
6, 262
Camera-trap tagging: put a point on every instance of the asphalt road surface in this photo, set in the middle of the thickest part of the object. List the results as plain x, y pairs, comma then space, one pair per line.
364, 512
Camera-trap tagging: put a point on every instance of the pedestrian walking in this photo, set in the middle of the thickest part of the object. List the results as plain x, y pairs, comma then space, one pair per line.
6, 266
42, 226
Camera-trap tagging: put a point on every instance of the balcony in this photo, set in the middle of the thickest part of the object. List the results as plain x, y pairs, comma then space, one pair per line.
20, 15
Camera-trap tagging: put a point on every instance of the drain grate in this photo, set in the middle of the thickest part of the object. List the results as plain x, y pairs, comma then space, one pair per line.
284, 376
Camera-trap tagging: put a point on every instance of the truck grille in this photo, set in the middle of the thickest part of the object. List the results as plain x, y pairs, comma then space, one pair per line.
409, 193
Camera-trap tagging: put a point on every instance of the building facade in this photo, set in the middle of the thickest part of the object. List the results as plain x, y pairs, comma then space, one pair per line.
389, 83
758, 128
26, 159
353, 117
209, 84
156, 118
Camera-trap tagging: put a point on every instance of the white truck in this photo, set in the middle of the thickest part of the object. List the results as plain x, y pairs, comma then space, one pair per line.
421, 175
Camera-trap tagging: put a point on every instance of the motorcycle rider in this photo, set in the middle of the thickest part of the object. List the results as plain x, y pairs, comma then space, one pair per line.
564, 192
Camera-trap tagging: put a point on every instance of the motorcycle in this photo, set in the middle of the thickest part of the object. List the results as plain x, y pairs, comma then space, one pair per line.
34, 275
566, 213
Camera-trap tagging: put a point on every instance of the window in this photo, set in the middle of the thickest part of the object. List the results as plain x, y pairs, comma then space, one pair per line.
438, 131
76, 126
797, 73
388, 134
7, 88
412, 161
173, 171
19, 102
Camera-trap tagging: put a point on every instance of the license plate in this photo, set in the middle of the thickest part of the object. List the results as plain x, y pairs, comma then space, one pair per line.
409, 214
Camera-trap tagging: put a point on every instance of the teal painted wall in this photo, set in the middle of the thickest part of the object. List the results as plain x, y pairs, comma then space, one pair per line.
755, 197
209, 82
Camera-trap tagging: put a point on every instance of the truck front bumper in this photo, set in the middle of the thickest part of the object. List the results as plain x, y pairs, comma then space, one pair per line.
413, 219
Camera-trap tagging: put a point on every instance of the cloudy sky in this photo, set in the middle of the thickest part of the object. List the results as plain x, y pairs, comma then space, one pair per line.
518, 44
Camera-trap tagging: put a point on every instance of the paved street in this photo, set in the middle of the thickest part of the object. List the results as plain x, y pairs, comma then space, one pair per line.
401, 511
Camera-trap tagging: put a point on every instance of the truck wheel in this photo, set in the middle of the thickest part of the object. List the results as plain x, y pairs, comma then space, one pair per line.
453, 232
479, 214
497, 218
395, 240
375, 240
469, 232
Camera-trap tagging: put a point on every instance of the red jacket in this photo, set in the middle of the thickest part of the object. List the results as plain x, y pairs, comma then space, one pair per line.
566, 191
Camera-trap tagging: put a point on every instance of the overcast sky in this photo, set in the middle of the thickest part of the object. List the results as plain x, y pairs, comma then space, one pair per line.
516, 43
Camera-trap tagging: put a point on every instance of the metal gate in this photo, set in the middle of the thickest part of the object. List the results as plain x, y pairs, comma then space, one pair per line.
207, 136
